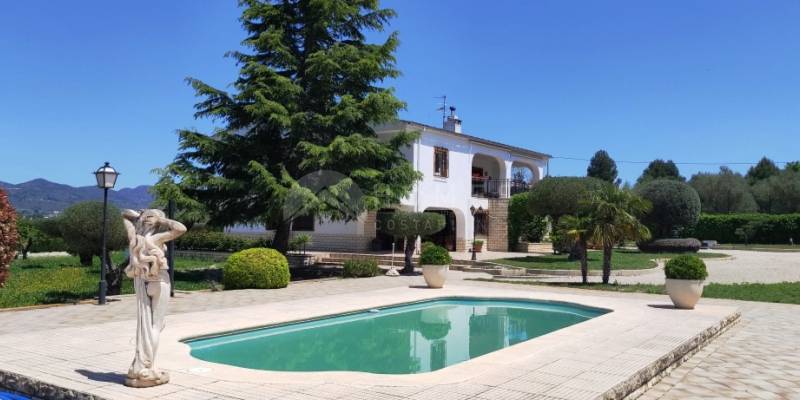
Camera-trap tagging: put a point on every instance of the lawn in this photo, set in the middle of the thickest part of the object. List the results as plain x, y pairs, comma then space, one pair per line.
622, 259
48, 280
785, 292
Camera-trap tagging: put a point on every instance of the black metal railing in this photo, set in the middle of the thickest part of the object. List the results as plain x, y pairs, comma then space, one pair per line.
498, 188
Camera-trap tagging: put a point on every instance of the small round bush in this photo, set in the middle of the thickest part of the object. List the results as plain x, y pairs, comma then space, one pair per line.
435, 255
688, 245
361, 269
258, 268
686, 267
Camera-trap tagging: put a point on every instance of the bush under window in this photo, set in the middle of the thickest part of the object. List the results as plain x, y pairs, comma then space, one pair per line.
361, 268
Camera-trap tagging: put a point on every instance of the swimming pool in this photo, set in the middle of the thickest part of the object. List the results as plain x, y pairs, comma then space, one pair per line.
405, 339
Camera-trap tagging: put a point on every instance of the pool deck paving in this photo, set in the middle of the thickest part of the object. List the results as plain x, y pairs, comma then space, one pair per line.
83, 351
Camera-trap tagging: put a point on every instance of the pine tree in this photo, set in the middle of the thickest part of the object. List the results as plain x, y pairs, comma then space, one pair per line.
602, 166
763, 170
305, 100
660, 169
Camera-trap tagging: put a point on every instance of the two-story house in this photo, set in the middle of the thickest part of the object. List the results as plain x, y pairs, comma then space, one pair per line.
467, 178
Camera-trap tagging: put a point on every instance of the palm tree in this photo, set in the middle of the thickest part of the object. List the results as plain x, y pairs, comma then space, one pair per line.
614, 217
576, 230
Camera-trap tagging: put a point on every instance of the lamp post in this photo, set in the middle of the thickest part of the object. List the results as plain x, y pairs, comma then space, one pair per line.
106, 179
474, 211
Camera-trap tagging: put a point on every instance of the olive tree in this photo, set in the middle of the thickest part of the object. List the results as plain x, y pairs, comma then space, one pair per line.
81, 227
408, 226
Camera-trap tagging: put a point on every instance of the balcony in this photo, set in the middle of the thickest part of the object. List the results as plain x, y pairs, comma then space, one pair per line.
497, 188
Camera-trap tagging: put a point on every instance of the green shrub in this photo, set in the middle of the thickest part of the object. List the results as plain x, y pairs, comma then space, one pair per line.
299, 242
435, 255
81, 227
361, 268
676, 207
522, 225
257, 268
686, 267
204, 240
689, 245
562, 195
763, 228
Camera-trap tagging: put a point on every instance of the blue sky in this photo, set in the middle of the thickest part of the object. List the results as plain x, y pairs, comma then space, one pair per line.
710, 81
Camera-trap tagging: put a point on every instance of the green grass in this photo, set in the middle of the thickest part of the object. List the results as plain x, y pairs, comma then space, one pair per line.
622, 259
759, 247
49, 280
785, 292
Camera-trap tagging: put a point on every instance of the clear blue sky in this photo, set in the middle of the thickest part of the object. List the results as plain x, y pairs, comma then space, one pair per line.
708, 81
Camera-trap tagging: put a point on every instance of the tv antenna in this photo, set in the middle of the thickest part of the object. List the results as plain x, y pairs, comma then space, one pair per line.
443, 107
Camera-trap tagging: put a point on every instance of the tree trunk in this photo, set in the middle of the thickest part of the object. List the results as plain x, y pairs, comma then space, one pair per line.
281, 239
607, 250
86, 259
408, 268
584, 263
114, 277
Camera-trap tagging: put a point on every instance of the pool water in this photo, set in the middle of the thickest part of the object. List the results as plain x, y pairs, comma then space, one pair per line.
406, 339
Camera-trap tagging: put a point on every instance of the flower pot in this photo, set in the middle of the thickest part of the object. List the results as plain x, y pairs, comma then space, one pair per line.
684, 292
435, 275
478, 246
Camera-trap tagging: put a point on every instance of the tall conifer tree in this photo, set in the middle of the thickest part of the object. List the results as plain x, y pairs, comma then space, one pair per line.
306, 98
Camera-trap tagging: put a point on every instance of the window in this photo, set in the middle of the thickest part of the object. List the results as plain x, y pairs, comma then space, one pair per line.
441, 166
481, 224
303, 223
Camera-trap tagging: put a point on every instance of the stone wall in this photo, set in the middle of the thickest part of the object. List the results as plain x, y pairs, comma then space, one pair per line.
498, 225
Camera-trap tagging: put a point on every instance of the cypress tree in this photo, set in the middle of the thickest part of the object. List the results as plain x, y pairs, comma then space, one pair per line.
306, 98
602, 166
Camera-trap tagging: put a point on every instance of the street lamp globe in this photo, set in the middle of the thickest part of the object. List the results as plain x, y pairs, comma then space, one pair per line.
106, 176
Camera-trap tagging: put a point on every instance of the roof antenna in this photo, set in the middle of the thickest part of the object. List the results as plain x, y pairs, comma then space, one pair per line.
443, 107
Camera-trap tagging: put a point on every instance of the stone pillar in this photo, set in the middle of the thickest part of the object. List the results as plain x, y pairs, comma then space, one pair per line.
497, 239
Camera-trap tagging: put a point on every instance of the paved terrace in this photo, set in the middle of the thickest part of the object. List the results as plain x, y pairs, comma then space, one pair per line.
87, 348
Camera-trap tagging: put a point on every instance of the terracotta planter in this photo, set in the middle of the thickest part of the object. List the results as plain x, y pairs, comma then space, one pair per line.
435, 275
478, 247
684, 292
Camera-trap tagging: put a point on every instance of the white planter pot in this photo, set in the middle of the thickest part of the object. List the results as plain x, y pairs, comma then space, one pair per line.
435, 275
684, 293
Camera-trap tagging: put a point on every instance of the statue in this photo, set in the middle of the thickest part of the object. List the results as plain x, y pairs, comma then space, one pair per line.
148, 231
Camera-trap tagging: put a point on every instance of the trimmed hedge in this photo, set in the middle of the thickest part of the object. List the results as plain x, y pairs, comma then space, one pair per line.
361, 269
435, 255
202, 240
256, 269
522, 224
766, 228
688, 245
686, 267
676, 207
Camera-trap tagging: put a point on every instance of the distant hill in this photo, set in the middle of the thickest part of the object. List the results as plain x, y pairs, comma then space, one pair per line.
42, 197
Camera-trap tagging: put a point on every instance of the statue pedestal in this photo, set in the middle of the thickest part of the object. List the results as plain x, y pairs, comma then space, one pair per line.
160, 379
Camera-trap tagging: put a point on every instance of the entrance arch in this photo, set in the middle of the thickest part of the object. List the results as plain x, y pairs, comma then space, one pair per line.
448, 235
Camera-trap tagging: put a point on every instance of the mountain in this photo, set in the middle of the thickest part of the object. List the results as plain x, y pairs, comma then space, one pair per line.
42, 197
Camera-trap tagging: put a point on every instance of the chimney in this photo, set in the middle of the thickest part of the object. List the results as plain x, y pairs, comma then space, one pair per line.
452, 123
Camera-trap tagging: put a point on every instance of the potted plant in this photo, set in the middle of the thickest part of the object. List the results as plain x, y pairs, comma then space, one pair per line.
477, 245
435, 261
685, 276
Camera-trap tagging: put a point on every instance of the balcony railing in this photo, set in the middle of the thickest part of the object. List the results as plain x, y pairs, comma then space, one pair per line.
497, 188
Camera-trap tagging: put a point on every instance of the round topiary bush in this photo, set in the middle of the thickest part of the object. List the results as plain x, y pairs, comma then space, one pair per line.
258, 268
676, 207
435, 255
360, 269
686, 267
688, 245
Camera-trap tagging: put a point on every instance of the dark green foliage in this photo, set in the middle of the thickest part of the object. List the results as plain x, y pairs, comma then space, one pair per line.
360, 269
660, 169
673, 245
256, 269
305, 100
603, 167
189, 211
686, 267
763, 170
81, 227
205, 240
676, 207
408, 226
562, 195
435, 255
779, 194
522, 225
766, 229
9, 236
724, 192
792, 166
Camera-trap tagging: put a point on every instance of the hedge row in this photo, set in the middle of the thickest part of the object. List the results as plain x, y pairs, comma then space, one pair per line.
764, 228
217, 241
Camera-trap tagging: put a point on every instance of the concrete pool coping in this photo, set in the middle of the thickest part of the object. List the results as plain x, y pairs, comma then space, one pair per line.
610, 356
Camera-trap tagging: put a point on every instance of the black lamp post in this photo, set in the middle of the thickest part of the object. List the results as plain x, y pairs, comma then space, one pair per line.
474, 211
106, 179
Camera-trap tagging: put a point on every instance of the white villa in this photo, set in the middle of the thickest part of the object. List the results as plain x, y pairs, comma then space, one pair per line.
462, 175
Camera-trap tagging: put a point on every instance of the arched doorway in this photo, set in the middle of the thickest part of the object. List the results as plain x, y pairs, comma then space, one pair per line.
447, 236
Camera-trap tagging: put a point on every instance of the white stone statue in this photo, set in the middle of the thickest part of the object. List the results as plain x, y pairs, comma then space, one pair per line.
148, 231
